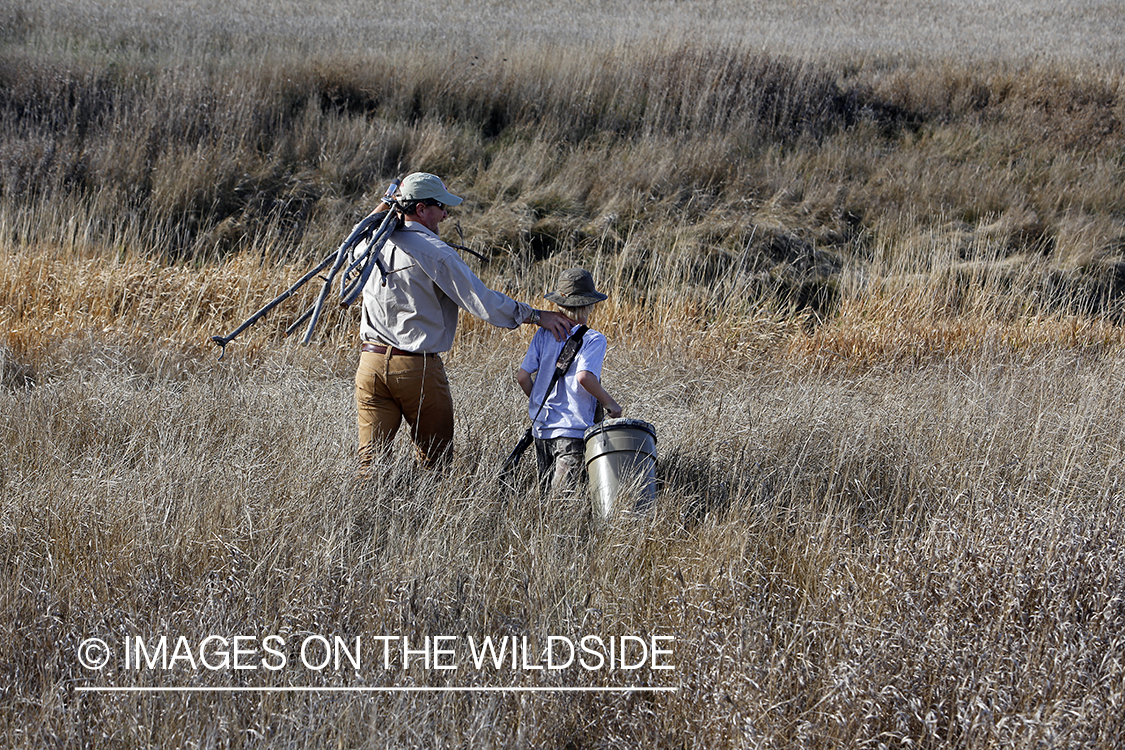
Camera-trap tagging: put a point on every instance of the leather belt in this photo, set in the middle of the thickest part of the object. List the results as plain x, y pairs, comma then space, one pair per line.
394, 351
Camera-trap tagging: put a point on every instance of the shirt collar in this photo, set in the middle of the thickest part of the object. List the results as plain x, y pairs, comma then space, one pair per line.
415, 226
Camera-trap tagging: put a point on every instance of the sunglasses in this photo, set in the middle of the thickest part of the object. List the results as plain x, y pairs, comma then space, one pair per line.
435, 204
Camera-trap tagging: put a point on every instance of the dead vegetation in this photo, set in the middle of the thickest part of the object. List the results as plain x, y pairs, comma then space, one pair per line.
872, 305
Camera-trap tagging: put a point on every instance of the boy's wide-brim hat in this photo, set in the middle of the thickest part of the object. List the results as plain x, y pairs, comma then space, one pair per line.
420, 186
575, 289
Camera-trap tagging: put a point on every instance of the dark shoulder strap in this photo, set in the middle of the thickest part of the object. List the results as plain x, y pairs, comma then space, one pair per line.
569, 351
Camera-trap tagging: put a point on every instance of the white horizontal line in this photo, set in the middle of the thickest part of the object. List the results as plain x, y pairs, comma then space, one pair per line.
310, 689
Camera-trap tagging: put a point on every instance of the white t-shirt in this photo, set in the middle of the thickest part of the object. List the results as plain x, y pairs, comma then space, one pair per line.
569, 408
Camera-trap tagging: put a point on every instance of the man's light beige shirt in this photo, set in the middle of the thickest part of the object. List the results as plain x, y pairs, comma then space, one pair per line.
427, 283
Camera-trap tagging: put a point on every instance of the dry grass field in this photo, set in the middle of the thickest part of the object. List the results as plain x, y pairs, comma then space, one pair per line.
866, 267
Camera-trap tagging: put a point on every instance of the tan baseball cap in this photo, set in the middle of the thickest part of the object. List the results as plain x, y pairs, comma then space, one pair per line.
420, 186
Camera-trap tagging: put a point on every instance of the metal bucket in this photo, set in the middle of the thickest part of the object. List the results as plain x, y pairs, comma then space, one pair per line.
621, 456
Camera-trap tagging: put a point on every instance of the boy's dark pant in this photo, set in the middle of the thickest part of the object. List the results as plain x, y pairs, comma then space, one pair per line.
562, 466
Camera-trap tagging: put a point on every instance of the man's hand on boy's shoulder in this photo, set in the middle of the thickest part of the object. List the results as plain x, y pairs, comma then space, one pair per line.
556, 323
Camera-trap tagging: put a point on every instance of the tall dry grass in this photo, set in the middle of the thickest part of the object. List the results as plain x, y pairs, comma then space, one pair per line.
871, 302
924, 555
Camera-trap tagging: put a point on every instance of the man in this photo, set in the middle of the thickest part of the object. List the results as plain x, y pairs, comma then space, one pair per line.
409, 318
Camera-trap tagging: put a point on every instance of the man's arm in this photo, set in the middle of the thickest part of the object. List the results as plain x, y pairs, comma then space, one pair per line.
454, 277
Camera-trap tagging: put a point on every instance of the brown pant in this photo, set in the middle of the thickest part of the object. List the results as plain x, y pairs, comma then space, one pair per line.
389, 387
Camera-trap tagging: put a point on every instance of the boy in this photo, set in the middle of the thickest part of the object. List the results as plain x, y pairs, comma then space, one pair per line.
560, 417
